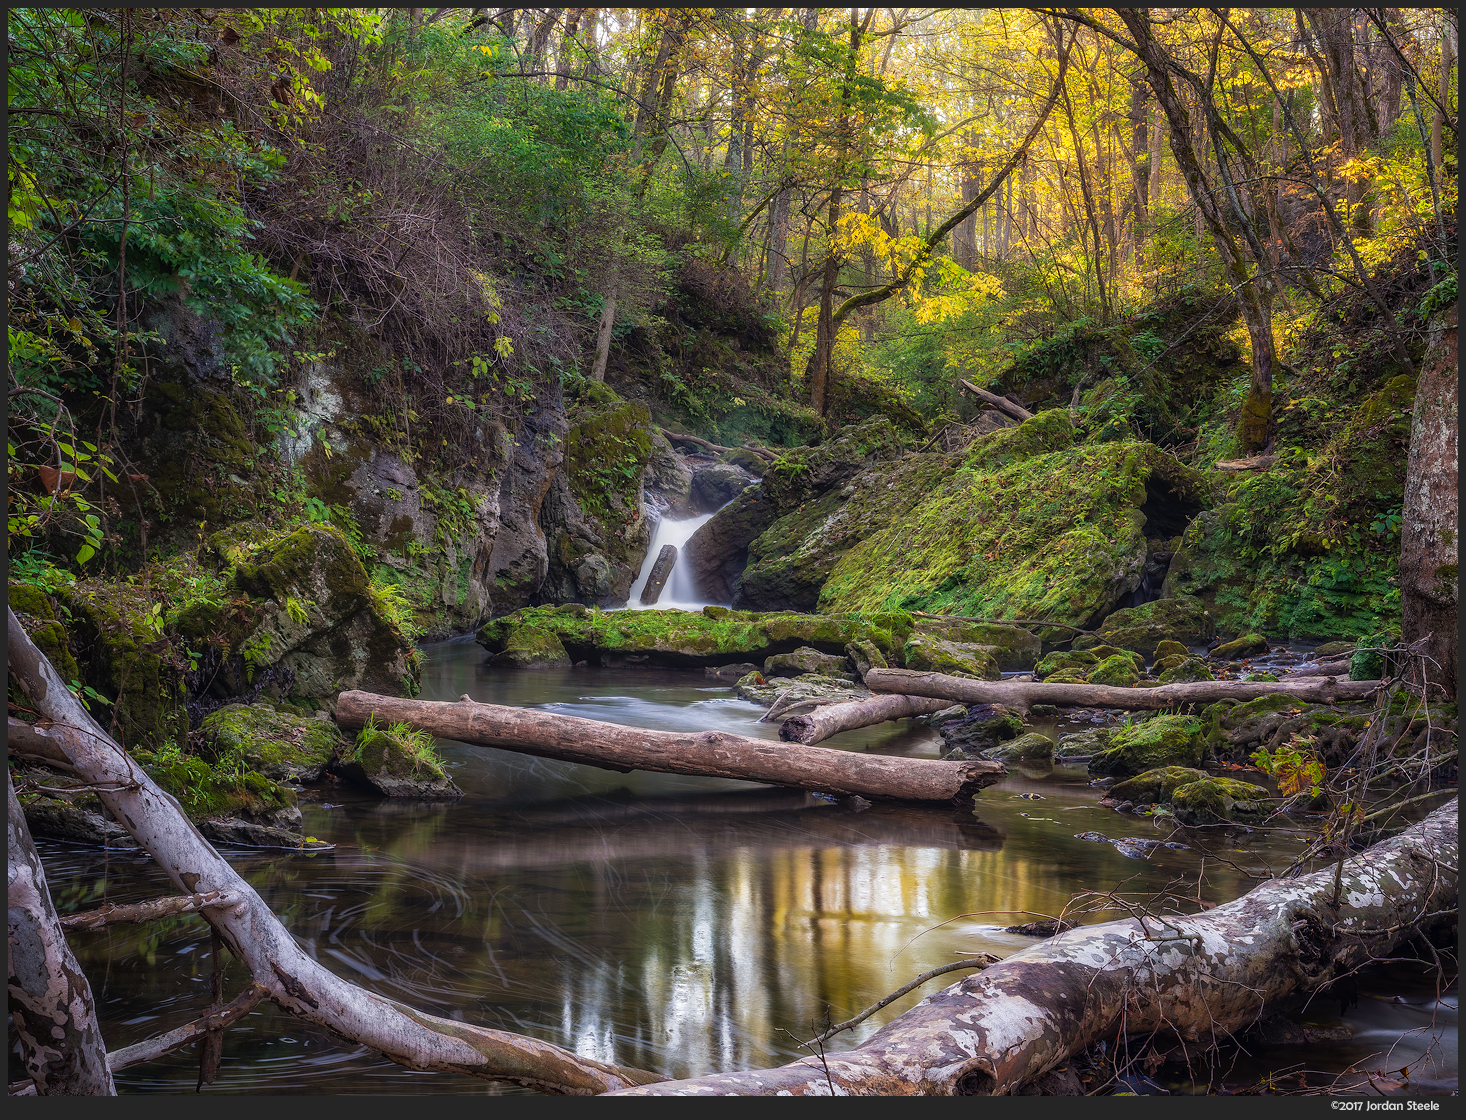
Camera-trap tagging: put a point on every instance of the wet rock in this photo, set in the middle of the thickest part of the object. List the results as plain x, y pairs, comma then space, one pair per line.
1041, 929
805, 660
398, 763
1156, 785
249, 834
1032, 747
668, 481
865, 656
1139, 629
1156, 742
1334, 649
1220, 801
1116, 670
1080, 660
54, 819
733, 672
758, 689
529, 647
718, 552
1082, 744
715, 486
954, 659
983, 727
1248, 645
1185, 670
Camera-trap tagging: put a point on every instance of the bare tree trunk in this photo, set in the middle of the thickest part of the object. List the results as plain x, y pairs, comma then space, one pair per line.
1199, 976
50, 1000
1438, 120
1430, 521
299, 984
708, 754
831, 719
1023, 694
603, 336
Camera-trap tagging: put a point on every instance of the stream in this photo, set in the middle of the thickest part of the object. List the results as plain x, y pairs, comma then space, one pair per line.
676, 924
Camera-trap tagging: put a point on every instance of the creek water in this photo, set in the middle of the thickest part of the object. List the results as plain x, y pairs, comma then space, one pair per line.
679, 591
676, 924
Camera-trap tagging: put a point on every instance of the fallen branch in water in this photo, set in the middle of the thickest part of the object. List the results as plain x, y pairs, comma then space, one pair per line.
716, 754
1024, 694
1199, 975
296, 982
145, 911
762, 452
831, 719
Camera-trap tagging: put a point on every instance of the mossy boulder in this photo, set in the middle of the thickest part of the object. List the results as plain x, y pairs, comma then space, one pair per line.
789, 561
1032, 747
865, 656
1044, 434
1154, 786
1012, 647
981, 728
1081, 744
695, 639
1185, 670
1168, 648
1333, 649
397, 763
1140, 629
1248, 645
1220, 801
36, 612
285, 746
717, 553
1117, 670
321, 627
929, 654
714, 486
1068, 675
1080, 660
806, 660
220, 788
759, 689
1155, 742
529, 647
1056, 536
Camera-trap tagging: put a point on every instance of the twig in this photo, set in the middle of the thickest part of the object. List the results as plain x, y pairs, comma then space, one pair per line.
977, 963
146, 911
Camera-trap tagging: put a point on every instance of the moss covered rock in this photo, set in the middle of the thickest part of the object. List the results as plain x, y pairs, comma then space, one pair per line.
806, 660
1155, 742
1168, 648
759, 689
1053, 536
1080, 660
865, 656
717, 553
1140, 629
221, 787
1154, 785
1185, 670
1012, 647
926, 653
1083, 744
1067, 675
285, 746
1032, 747
36, 612
1248, 645
1220, 801
981, 728
529, 647
397, 762
1046, 433
712, 636
1117, 670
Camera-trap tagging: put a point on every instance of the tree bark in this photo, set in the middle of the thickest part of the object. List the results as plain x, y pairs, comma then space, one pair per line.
1429, 517
659, 573
603, 336
831, 719
51, 1002
1198, 976
299, 984
713, 754
1023, 694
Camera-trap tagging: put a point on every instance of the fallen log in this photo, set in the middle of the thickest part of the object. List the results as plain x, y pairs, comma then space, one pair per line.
831, 719
1327, 669
295, 981
709, 754
717, 448
1023, 694
1002, 404
655, 581
1201, 976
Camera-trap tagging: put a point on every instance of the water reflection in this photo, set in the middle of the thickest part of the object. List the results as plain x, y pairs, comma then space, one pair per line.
677, 924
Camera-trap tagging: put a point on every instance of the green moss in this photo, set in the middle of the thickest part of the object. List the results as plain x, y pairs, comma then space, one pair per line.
279, 743
25, 599
1140, 629
225, 789
1170, 648
1054, 536
1116, 670
954, 659
1042, 435
606, 452
1156, 742
1156, 785
1032, 747
1219, 801
1185, 671
1248, 645
398, 751
1065, 659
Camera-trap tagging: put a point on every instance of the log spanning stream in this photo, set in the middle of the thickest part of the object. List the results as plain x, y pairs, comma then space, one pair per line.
677, 924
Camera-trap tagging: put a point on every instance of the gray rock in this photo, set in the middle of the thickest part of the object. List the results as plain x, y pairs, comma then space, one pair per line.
54, 819
715, 486
733, 672
806, 660
251, 834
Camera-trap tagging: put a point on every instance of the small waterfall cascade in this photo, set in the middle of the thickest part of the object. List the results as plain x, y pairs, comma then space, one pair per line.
679, 591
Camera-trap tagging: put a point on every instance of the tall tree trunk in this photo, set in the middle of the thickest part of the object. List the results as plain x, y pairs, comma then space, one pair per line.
603, 336
51, 1005
1429, 518
567, 43
1438, 120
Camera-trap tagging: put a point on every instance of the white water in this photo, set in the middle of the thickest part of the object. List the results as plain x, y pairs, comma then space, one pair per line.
678, 592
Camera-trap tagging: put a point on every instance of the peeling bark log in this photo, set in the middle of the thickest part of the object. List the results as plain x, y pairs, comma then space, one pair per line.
1023, 694
51, 1002
831, 719
1200, 976
145, 911
711, 754
297, 983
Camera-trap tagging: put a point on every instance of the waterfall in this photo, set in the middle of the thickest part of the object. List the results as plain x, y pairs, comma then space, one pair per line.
679, 591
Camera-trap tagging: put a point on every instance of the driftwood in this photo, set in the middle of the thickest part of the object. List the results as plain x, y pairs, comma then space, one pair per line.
51, 1003
713, 754
1002, 404
1201, 976
1251, 463
717, 448
831, 719
666, 559
146, 911
300, 985
1023, 694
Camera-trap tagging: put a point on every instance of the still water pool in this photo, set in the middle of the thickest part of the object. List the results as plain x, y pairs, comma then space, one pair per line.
676, 924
